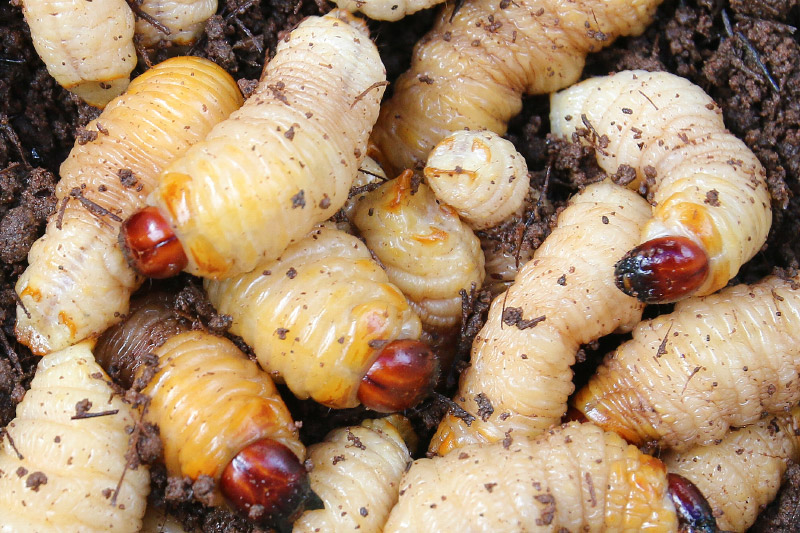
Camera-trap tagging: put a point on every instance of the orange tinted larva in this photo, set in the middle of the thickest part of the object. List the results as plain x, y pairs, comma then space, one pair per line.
62, 470
711, 209
472, 69
78, 281
519, 376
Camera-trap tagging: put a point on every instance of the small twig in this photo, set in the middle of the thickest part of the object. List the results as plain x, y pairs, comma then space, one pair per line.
19, 303
751, 51
5, 432
81, 416
134, 5
367, 90
11, 353
94, 208
14, 139
648, 99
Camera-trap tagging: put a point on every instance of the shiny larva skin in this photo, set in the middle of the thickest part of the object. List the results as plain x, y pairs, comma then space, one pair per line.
743, 473
86, 46
708, 185
471, 72
386, 9
358, 484
285, 161
78, 281
428, 252
480, 175
576, 477
185, 20
83, 460
714, 362
317, 317
523, 371
210, 401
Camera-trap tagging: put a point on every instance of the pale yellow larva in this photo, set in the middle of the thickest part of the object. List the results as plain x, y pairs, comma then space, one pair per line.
63, 472
285, 161
78, 282
86, 46
714, 362
386, 9
356, 473
318, 315
706, 185
519, 376
184, 19
742, 474
573, 478
480, 175
472, 69
428, 252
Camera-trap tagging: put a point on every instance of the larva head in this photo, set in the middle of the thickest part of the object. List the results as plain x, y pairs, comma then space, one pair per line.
266, 482
404, 373
694, 512
150, 245
662, 270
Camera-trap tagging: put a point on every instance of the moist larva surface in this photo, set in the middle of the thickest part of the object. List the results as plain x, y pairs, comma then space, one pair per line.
185, 20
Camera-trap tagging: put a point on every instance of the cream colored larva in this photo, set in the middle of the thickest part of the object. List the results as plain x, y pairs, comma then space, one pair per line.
185, 20
78, 281
63, 472
386, 9
707, 187
574, 478
86, 46
285, 161
743, 473
480, 175
428, 252
472, 69
714, 362
356, 473
318, 315
519, 376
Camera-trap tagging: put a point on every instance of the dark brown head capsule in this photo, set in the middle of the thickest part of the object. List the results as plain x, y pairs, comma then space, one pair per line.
403, 375
150, 245
266, 481
662, 270
694, 512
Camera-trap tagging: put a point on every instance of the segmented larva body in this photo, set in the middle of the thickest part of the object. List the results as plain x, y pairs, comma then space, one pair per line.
706, 185
386, 9
59, 473
210, 401
86, 46
356, 474
564, 297
370, 174
158, 521
743, 473
480, 175
285, 161
714, 362
317, 316
472, 71
78, 281
574, 478
185, 20
428, 252
502, 267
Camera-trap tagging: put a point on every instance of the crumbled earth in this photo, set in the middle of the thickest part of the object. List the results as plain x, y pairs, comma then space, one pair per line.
744, 53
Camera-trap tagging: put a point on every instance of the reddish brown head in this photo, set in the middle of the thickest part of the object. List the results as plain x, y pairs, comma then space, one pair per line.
403, 375
694, 512
266, 482
662, 270
150, 245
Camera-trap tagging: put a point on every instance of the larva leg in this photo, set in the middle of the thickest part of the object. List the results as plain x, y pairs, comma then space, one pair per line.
285, 161
61, 471
711, 204
743, 473
428, 252
716, 361
356, 474
218, 414
184, 19
574, 478
78, 281
325, 319
472, 71
519, 378
86, 46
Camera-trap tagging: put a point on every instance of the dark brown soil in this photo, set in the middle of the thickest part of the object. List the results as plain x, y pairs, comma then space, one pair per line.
745, 54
